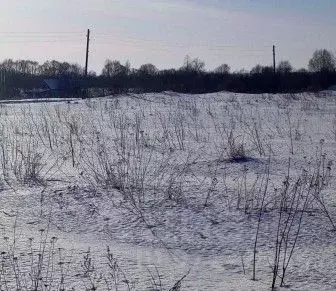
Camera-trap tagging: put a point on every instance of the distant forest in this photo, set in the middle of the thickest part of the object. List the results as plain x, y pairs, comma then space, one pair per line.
23, 75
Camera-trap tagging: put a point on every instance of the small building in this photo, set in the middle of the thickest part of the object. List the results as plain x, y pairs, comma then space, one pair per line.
332, 88
62, 88
57, 88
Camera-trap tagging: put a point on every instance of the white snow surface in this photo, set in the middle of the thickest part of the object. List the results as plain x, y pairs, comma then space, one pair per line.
152, 177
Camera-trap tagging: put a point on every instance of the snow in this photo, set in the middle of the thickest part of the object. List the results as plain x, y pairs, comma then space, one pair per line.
152, 177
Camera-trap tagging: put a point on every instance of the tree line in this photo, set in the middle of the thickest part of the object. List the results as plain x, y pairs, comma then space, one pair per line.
191, 77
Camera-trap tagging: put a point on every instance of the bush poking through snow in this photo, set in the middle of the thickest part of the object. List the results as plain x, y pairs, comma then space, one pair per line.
236, 150
42, 265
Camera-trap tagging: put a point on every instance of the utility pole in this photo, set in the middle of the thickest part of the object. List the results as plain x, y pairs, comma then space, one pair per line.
274, 59
87, 51
274, 71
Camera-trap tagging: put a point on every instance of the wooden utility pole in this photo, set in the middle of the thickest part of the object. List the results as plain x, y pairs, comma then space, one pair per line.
87, 51
274, 59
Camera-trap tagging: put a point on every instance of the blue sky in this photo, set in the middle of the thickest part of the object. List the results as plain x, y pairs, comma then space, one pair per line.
238, 32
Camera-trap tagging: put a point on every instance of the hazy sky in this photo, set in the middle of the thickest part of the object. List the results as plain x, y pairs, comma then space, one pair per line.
237, 32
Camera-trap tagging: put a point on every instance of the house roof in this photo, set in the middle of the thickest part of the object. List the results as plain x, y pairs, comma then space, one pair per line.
332, 88
58, 84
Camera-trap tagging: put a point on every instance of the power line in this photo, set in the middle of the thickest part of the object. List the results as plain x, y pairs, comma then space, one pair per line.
181, 45
107, 38
102, 39
39, 36
42, 41
75, 38
41, 32
97, 37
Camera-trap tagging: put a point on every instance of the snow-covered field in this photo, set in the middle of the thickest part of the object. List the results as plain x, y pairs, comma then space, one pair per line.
213, 189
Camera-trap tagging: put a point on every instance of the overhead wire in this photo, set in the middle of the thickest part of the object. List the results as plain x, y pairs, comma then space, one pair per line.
41, 37
41, 32
215, 47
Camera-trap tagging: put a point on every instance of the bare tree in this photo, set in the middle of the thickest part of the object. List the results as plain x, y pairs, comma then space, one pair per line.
284, 67
302, 70
193, 65
223, 69
322, 61
259, 69
115, 68
148, 69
